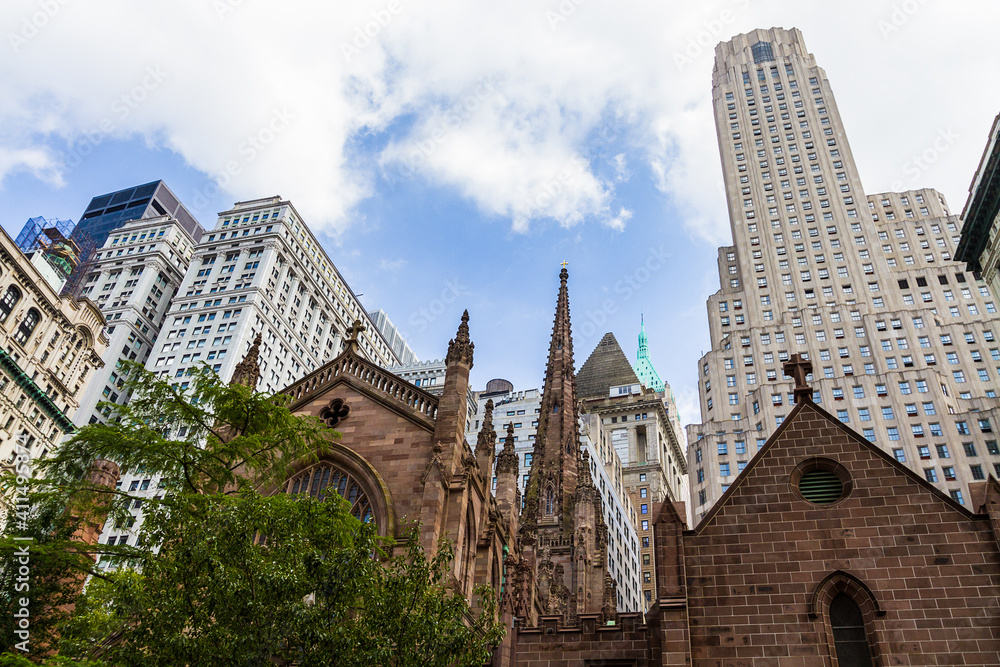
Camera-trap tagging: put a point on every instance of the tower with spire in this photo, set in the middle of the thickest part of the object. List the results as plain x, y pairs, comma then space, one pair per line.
563, 536
643, 366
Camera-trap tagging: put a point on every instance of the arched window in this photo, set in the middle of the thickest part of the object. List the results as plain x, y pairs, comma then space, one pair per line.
10, 299
27, 327
549, 500
321, 479
849, 634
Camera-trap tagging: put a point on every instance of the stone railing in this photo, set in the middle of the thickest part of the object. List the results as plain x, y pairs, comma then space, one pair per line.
382, 380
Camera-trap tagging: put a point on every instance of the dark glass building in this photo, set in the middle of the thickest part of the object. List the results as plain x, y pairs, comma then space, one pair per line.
107, 213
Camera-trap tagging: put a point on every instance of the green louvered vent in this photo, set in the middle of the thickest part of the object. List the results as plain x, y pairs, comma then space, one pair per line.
821, 487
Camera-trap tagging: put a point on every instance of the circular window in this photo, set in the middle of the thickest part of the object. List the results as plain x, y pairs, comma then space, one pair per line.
821, 487
821, 481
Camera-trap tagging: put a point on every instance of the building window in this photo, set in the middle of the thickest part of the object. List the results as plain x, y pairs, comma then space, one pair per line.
27, 327
849, 636
10, 299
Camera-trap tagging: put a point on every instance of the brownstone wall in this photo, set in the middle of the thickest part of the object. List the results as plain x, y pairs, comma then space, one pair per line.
396, 447
753, 567
592, 644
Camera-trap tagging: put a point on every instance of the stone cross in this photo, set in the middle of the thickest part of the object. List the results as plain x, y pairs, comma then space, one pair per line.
355, 331
798, 368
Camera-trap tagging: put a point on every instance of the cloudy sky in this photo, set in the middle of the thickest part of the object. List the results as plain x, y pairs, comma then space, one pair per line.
451, 154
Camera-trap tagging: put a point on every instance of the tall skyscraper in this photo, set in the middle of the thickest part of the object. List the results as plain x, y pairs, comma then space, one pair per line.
132, 278
901, 339
108, 212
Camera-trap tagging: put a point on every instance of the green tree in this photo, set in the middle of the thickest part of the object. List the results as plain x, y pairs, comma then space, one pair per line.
237, 578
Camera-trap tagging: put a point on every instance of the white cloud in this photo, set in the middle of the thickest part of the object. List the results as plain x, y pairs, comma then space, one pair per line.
500, 101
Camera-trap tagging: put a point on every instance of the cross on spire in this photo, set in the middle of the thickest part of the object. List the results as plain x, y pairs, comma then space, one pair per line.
798, 368
564, 263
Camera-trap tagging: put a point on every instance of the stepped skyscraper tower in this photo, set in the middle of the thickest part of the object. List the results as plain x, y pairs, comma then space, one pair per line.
902, 339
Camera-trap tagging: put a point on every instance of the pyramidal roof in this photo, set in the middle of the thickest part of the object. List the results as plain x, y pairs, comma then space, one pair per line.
606, 367
643, 366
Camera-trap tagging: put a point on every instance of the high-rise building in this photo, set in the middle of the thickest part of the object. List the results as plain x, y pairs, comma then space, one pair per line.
259, 273
49, 347
108, 212
980, 243
902, 340
396, 341
132, 278
48, 245
630, 427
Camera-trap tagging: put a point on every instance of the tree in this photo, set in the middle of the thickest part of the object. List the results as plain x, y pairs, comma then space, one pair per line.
224, 575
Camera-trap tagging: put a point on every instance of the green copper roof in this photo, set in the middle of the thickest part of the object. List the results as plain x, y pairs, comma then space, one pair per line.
35, 392
643, 366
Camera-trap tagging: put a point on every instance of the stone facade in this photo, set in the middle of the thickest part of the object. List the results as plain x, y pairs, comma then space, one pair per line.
50, 346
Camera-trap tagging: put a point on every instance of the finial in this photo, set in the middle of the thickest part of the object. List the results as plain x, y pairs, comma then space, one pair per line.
487, 439
798, 368
247, 372
461, 347
507, 459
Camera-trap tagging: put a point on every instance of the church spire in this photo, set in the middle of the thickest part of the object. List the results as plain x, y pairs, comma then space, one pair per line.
643, 365
562, 533
247, 372
553, 477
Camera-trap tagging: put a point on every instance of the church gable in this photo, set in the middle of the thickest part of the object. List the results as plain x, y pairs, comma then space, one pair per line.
821, 512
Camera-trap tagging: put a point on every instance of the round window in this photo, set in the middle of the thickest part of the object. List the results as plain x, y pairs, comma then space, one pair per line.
821, 481
821, 487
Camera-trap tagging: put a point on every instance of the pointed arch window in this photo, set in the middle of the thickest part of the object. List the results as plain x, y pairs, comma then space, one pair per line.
323, 479
10, 299
27, 327
849, 634
549, 500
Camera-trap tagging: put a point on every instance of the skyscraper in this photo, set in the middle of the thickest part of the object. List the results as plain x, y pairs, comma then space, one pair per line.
108, 212
901, 339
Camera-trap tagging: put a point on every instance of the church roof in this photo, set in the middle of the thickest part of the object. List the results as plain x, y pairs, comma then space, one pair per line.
606, 367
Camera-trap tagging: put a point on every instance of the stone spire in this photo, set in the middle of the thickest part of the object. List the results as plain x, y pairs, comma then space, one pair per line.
552, 481
460, 348
247, 372
486, 442
507, 459
562, 532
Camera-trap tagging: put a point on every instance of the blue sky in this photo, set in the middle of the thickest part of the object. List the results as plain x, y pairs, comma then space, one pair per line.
456, 154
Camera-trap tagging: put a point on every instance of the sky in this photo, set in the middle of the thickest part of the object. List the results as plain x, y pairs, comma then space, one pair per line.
451, 155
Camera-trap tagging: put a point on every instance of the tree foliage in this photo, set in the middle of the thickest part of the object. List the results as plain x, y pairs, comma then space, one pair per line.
220, 574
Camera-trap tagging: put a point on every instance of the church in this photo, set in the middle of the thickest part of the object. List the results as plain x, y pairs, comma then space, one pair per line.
824, 551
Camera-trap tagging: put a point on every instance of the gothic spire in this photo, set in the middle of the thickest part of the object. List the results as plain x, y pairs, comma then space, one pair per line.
507, 459
247, 372
460, 348
554, 472
487, 439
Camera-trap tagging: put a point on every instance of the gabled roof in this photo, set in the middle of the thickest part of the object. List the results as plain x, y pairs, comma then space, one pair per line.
606, 367
377, 383
808, 410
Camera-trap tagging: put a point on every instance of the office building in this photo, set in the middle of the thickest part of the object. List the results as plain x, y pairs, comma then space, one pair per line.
395, 339
132, 278
901, 338
50, 346
979, 246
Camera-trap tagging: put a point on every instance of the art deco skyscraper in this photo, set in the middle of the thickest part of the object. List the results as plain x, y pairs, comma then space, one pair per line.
902, 339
